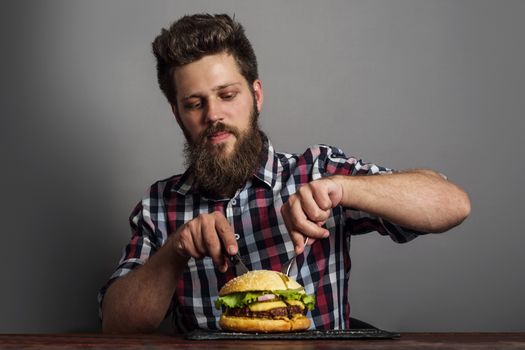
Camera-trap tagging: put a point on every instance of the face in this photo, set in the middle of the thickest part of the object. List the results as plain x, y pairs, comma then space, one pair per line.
212, 92
217, 112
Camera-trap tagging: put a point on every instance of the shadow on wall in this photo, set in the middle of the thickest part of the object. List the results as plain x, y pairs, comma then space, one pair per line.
59, 213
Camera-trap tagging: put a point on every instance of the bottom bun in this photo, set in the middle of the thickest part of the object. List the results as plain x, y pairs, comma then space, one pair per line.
264, 325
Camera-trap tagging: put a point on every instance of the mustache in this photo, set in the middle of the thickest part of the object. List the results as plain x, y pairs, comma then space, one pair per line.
219, 127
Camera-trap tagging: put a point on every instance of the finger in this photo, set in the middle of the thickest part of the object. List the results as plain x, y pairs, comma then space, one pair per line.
179, 246
184, 244
295, 236
299, 222
226, 237
299, 226
298, 240
310, 241
225, 233
211, 242
335, 190
195, 227
314, 204
321, 194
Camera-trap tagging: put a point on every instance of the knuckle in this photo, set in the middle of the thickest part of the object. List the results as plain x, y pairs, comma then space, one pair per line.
200, 249
295, 221
216, 216
316, 216
312, 212
321, 214
303, 190
289, 202
193, 224
204, 218
185, 235
181, 243
211, 242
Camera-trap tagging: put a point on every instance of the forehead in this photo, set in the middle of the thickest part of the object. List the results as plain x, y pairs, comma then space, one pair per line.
206, 74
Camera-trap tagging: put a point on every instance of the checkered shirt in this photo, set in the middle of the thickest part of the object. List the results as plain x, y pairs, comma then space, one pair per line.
255, 214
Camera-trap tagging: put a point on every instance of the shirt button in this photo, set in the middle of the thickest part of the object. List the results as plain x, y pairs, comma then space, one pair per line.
233, 201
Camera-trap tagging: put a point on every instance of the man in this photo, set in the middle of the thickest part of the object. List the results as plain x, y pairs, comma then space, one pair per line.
239, 193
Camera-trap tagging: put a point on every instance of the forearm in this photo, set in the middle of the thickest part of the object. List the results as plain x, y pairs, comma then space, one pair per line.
139, 301
421, 200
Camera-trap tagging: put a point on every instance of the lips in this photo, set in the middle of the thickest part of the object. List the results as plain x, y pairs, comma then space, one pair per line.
218, 133
219, 136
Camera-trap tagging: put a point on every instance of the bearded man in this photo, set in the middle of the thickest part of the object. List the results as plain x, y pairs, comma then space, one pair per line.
240, 194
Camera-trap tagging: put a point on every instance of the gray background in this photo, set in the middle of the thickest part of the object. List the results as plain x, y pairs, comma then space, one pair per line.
402, 83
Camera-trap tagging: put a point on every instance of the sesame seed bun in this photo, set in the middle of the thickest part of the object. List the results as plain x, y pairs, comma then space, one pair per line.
259, 280
264, 325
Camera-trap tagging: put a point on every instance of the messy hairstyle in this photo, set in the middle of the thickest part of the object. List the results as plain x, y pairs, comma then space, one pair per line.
195, 36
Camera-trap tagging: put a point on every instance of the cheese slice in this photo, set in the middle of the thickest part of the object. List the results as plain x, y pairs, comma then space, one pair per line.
295, 303
266, 305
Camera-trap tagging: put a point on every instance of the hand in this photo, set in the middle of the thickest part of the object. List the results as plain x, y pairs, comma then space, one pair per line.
307, 210
202, 236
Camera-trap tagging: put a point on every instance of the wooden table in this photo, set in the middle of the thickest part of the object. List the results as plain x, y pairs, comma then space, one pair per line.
468, 341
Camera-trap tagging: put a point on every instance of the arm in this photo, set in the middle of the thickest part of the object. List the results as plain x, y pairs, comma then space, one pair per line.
139, 301
421, 200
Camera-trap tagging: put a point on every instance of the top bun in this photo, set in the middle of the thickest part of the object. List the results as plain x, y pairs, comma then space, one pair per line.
259, 280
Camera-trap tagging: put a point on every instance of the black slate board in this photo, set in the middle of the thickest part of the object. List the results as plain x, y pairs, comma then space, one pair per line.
372, 333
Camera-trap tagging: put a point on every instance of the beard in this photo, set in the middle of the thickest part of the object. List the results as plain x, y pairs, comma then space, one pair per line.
217, 174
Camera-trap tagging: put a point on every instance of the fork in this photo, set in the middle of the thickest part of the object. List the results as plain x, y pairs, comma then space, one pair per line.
287, 266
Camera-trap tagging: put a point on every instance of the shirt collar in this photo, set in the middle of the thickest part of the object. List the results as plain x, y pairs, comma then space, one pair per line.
266, 172
269, 165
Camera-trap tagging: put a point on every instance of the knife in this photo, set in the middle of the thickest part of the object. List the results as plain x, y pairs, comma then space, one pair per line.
236, 261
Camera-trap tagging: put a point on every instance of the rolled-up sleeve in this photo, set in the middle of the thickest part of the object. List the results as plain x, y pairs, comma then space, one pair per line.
146, 239
356, 221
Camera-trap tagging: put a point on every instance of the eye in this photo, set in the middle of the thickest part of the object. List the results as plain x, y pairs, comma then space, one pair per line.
227, 96
191, 105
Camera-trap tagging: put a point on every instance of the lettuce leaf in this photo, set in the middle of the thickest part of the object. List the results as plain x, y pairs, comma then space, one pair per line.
298, 294
294, 294
308, 301
246, 298
237, 299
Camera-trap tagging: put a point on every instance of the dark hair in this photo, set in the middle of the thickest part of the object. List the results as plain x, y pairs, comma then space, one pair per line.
195, 36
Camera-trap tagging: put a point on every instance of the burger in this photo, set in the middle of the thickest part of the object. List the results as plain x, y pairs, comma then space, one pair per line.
264, 301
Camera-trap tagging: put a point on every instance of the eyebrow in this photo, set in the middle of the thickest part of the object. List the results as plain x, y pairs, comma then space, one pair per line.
217, 88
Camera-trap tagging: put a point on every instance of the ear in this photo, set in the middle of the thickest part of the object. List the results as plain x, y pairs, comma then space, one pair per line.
258, 93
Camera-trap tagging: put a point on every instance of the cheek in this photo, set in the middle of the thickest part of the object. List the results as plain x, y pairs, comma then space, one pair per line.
242, 114
191, 129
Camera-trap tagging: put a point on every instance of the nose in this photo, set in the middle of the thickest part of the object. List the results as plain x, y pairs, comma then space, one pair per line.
213, 113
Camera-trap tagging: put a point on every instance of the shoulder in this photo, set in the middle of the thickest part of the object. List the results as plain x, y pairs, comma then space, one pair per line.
323, 159
169, 182
152, 202
322, 151
315, 162
157, 193
164, 186
317, 152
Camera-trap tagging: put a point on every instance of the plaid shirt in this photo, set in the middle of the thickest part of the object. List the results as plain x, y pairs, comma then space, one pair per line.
255, 214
